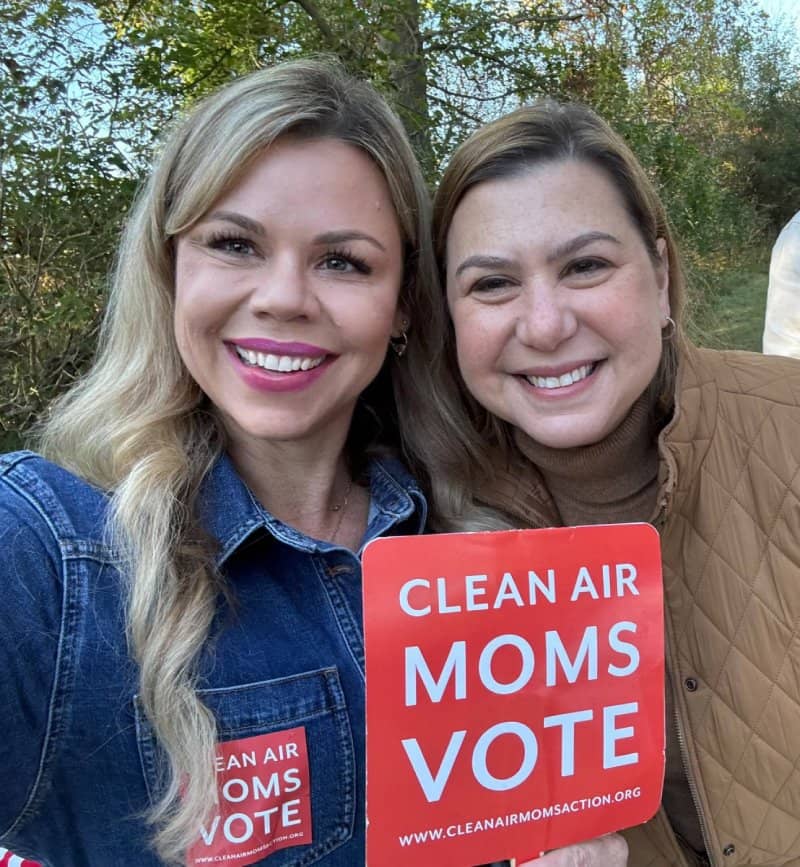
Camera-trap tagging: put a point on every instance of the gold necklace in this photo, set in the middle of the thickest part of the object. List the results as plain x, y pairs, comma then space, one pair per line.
341, 508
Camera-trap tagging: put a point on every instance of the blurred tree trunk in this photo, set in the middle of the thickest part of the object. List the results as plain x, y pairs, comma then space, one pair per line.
408, 75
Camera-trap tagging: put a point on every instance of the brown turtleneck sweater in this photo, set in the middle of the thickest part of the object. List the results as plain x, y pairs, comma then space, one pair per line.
613, 481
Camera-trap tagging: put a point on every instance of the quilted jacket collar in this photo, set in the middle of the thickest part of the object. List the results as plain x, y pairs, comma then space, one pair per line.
684, 440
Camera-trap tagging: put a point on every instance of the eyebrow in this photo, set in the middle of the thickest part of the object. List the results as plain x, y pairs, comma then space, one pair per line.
327, 238
486, 262
344, 235
578, 242
239, 219
565, 249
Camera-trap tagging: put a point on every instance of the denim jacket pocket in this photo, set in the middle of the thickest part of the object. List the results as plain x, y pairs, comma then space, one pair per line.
313, 700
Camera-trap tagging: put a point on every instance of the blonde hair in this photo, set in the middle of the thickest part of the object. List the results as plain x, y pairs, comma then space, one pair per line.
546, 131
139, 427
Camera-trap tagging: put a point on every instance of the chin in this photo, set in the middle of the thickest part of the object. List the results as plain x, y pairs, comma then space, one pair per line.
573, 436
270, 429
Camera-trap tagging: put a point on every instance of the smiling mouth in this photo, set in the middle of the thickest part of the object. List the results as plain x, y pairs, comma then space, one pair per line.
569, 378
278, 363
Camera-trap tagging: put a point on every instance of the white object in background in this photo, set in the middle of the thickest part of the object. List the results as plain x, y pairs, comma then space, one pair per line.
782, 318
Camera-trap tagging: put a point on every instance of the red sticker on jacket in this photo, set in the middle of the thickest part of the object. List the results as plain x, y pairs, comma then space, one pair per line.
264, 800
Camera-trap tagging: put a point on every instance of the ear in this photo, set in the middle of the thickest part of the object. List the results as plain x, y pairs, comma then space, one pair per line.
662, 276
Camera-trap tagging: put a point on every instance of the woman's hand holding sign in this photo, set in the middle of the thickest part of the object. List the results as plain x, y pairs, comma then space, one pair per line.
608, 851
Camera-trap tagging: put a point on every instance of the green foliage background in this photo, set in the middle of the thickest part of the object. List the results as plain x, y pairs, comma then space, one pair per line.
706, 91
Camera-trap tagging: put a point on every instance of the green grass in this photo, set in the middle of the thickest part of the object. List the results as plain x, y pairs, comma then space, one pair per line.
732, 316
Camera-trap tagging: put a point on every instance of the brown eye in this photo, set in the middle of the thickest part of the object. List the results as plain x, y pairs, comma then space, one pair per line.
491, 285
585, 267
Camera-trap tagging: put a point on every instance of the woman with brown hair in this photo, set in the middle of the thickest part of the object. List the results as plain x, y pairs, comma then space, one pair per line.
583, 403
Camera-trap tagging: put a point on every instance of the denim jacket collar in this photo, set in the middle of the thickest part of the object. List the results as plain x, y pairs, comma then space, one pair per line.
231, 514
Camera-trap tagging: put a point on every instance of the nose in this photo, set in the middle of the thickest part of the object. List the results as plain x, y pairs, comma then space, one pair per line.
546, 317
283, 289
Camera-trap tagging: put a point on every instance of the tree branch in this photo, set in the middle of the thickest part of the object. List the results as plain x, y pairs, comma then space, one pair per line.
318, 18
473, 96
476, 120
513, 21
487, 57
14, 68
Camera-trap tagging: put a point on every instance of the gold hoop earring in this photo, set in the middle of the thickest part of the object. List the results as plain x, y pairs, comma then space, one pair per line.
669, 329
399, 344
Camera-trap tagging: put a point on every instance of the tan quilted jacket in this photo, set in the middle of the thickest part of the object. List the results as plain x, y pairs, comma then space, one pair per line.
730, 533
731, 550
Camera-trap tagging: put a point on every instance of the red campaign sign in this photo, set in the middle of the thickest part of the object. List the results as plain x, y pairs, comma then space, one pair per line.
264, 800
515, 691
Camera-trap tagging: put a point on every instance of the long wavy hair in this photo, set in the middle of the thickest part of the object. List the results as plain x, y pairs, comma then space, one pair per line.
139, 427
546, 131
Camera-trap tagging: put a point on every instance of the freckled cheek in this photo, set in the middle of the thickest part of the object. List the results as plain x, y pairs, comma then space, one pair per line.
473, 363
477, 343
645, 330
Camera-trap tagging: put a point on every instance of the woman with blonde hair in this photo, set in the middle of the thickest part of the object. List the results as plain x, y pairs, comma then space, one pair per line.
182, 660
584, 403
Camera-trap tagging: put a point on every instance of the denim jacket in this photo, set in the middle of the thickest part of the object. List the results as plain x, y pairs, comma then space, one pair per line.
78, 757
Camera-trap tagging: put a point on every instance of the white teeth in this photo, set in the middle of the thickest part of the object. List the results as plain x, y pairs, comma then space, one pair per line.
565, 379
278, 363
